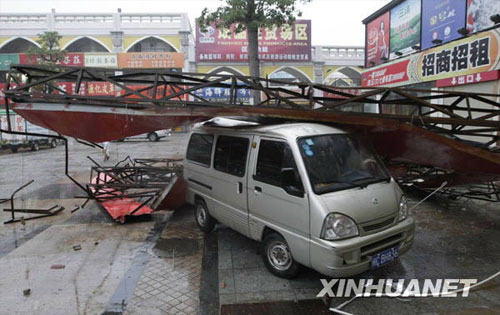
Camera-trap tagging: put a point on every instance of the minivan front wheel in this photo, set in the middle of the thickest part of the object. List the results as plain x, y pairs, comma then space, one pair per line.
278, 257
205, 221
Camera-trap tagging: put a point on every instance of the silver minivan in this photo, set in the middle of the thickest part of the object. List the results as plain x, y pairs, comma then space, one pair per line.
312, 194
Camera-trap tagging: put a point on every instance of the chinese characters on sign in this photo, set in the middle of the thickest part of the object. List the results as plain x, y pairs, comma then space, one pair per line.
103, 60
151, 60
457, 58
71, 59
391, 74
222, 93
286, 43
469, 78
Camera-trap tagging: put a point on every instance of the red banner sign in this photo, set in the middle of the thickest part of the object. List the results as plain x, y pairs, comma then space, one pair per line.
391, 74
469, 78
71, 59
285, 43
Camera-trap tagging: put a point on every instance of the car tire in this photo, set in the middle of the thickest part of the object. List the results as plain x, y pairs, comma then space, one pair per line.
53, 143
153, 137
205, 221
278, 257
13, 149
34, 146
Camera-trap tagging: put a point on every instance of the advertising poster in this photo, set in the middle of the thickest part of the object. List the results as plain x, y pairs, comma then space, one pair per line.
377, 40
441, 19
286, 43
479, 12
405, 27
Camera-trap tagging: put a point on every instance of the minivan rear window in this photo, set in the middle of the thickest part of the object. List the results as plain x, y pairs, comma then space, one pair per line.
231, 155
200, 149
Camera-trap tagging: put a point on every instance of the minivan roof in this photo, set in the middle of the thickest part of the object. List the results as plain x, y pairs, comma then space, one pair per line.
286, 130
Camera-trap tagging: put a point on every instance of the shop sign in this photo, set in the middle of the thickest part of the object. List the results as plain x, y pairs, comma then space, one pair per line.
469, 79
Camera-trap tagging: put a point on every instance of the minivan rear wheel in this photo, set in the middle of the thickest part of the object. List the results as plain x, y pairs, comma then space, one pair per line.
278, 257
205, 221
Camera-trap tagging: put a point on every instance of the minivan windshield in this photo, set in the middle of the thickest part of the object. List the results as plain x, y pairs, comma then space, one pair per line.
339, 161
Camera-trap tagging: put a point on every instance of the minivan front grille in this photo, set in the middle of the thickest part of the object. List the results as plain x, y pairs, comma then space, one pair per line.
381, 245
379, 225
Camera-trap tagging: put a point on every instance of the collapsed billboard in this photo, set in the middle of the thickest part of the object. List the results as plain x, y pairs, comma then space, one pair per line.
405, 27
377, 40
286, 43
441, 19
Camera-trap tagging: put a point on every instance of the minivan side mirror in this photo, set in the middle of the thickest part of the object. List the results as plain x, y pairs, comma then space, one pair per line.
290, 184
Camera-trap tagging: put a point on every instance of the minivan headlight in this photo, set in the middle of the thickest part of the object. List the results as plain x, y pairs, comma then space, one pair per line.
338, 226
403, 209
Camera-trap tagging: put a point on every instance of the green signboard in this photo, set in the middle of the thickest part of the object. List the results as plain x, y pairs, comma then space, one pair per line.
8, 59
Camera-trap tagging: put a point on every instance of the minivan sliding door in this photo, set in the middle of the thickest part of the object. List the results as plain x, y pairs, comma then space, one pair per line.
229, 181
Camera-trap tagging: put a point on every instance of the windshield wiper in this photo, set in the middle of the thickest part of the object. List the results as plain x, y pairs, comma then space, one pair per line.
353, 184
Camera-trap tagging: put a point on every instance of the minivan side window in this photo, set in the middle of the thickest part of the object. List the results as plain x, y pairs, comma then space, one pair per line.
273, 158
200, 149
231, 155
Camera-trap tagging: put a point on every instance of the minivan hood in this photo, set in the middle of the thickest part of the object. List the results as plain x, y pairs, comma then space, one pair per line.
363, 205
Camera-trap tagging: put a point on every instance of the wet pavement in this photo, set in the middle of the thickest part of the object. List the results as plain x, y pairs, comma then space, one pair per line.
84, 263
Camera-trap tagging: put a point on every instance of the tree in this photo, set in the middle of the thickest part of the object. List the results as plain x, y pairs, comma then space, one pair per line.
252, 15
48, 52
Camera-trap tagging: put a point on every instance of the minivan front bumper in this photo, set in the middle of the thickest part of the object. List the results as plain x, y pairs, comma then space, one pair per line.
352, 256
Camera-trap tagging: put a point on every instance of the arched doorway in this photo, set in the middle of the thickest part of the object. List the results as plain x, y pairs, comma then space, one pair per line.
347, 77
18, 45
151, 44
85, 44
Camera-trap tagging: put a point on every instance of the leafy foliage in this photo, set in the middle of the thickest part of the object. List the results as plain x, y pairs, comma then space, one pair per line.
252, 14
49, 52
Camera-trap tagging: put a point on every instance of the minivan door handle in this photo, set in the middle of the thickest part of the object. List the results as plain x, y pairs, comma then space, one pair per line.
239, 188
257, 189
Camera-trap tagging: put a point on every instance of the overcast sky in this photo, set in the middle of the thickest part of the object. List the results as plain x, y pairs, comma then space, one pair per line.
334, 22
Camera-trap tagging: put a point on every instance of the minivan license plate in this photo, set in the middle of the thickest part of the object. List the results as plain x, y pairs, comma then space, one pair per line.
385, 257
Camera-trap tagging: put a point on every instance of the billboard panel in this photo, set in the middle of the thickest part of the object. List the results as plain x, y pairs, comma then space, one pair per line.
440, 21
286, 43
151, 60
405, 27
479, 12
463, 58
377, 40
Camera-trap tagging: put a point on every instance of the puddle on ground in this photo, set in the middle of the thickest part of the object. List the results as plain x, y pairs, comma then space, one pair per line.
176, 247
